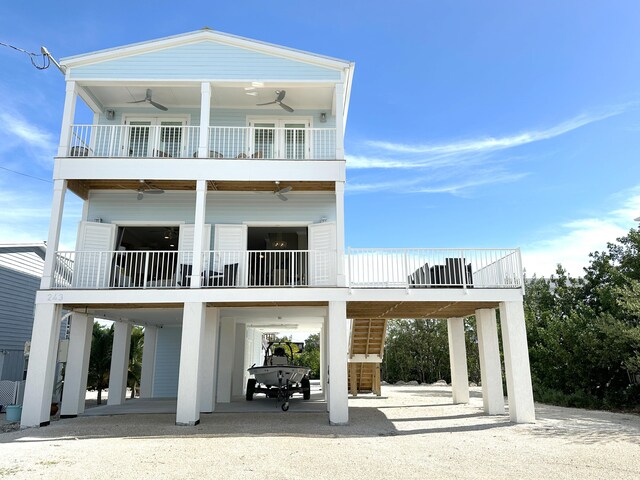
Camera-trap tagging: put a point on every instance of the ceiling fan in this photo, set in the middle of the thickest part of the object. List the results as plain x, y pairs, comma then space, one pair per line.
280, 95
147, 99
279, 192
148, 189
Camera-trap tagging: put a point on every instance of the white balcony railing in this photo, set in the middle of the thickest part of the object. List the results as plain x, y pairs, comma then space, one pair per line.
424, 268
134, 141
171, 269
183, 141
366, 268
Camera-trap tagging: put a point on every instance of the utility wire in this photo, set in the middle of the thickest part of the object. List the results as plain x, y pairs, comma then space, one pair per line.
46, 62
25, 175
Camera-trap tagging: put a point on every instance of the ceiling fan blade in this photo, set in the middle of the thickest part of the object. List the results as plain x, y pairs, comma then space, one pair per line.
268, 103
281, 197
286, 107
158, 106
281, 94
285, 190
139, 101
148, 94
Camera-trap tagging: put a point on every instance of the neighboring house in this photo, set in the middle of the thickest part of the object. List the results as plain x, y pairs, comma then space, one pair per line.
21, 266
213, 176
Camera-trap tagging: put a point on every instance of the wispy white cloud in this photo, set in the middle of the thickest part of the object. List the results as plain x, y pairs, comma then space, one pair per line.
455, 167
21, 136
491, 144
577, 238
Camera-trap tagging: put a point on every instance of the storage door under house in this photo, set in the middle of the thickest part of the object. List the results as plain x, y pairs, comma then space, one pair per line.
230, 245
280, 139
155, 138
322, 254
185, 251
94, 258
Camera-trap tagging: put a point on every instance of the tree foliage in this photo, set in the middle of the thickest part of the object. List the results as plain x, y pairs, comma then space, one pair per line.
584, 335
419, 350
100, 359
310, 355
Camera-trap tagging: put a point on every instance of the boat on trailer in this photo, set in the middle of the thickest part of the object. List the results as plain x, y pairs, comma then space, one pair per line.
278, 378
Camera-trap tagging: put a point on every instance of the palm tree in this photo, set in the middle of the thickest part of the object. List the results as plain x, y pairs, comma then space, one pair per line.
100, 359
134, 374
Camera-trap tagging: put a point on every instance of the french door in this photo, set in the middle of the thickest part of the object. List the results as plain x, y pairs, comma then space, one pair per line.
280, 138
155, 137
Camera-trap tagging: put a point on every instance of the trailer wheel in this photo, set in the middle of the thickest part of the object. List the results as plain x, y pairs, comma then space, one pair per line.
306, 388
251, 388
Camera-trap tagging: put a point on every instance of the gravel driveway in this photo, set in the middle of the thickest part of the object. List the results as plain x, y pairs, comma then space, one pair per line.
410, 432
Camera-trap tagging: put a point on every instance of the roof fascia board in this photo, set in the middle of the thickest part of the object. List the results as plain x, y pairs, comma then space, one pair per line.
194, 37
108, 82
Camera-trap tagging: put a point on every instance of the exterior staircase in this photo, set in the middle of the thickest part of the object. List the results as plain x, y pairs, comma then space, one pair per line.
365, 355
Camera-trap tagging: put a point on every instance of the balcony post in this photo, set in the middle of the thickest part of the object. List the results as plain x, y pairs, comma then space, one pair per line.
339, 111
208, 361
68, 114
77, 368
55, 223
119, 363
341, 277
489, 353
516, 363
337, 365
198, 233
458, 360
148, 361
205, 115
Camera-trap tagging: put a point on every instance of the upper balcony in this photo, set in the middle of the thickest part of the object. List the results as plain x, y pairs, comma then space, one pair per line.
141, 139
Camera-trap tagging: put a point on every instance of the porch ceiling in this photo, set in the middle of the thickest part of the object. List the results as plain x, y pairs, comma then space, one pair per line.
223, 95
415, 309
82, 187
171, 314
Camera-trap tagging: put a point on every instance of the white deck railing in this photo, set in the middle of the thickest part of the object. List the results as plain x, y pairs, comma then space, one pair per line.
366, 268
183, 141
423, 268
172, 269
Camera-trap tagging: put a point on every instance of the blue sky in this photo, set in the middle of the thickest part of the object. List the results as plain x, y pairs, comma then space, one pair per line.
472, 124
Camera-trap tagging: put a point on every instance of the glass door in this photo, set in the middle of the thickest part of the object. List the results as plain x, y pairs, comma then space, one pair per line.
154, 137
280, 139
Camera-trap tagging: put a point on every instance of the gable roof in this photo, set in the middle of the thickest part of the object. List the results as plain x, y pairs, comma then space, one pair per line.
203, 35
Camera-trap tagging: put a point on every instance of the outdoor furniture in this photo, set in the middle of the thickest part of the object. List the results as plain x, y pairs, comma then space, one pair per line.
226, 278
453, 274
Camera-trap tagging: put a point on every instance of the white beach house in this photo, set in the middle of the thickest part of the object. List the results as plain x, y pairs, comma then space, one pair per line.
213, 179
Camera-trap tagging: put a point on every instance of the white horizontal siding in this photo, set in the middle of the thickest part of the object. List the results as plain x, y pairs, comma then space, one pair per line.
222, 207
206, 59
22, 260
165, 382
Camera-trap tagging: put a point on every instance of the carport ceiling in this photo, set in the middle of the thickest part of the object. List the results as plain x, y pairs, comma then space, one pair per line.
415, 309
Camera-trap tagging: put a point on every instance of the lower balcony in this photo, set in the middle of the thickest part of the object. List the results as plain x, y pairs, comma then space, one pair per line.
364, 268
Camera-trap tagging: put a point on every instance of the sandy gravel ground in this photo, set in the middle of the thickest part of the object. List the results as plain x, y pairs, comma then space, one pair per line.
411, 432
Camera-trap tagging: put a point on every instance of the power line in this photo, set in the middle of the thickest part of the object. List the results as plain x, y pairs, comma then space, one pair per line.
25, 175
46, 62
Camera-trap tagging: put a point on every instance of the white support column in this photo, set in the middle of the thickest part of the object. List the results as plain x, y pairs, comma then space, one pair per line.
490, 371
458, 360
225, 359
68, 114
77, 368
323, 362
209, 360
516, 362
119, 363
205, 115
340, 258
42, 365
191, 346
237, 382
148, 361
339, 110
198, 233
53, 239
338, 389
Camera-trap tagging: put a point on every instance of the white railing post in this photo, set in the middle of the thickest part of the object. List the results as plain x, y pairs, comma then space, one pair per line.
68, 113
205, 114
339, 109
